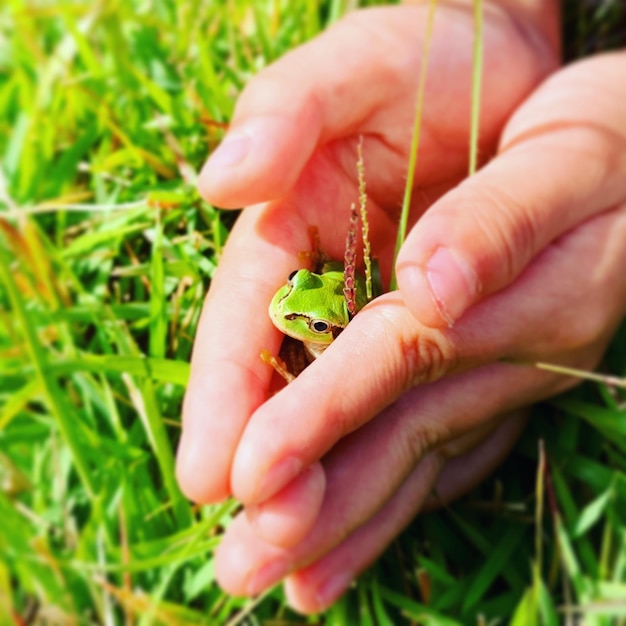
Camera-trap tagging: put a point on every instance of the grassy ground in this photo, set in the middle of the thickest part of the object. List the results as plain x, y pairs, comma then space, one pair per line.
107, 109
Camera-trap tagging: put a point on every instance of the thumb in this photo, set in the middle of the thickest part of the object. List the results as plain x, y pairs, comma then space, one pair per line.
565, 164
313, 94
360, 77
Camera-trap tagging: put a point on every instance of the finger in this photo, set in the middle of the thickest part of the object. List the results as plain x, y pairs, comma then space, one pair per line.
318, 586
315, 588
457, 411
464, 472
369, 471
228, 381
552, 311
287, 518
307, 99
245, 565
564, 163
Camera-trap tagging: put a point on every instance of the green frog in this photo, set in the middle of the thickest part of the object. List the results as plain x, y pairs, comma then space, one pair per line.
312, 308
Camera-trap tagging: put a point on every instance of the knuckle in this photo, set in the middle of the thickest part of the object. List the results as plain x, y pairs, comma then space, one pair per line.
425, 357
422, 439
409, 354
366, 29
419, 433
583, 322
261, 84
272, 91
587, 328
393, 60
508, 227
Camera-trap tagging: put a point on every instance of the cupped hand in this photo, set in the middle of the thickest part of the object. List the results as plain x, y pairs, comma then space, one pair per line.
449, 433
542, 186
293, 139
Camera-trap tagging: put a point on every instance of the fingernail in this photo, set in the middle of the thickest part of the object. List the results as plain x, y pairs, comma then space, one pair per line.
266, 576
333, 589
230, 152
453, 284
256, 519
278, 477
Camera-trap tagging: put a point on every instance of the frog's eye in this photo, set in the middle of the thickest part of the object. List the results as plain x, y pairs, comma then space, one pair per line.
319, 326
291, 276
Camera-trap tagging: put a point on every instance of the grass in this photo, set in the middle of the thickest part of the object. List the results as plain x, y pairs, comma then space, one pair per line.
107, 110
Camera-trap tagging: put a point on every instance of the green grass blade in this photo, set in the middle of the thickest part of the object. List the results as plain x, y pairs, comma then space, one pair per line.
477, 73
415, 140
55, 397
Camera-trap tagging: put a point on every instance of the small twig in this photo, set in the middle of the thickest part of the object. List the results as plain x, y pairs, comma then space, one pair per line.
540, 492
365, 226
415, 140
349, 264
245, 611
52, 207
613, 381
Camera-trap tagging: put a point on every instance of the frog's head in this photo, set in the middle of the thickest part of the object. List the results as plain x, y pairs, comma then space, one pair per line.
310, 307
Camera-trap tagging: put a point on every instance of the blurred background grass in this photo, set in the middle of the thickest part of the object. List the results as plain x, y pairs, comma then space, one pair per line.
107, 110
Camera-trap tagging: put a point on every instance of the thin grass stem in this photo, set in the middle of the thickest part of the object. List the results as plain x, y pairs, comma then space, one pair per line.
415, 140
613, 381
477, 74
365, 225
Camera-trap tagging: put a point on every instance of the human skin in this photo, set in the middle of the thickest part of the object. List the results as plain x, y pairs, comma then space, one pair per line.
335, 465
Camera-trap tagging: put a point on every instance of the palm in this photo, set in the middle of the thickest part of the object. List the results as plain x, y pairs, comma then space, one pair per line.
382, 435
311, 169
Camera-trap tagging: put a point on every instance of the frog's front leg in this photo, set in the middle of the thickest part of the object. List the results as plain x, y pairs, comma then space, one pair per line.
280, 367
291, 360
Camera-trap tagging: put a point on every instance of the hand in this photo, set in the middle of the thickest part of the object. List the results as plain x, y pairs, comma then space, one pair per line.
299, 121
228, 378
450, 432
